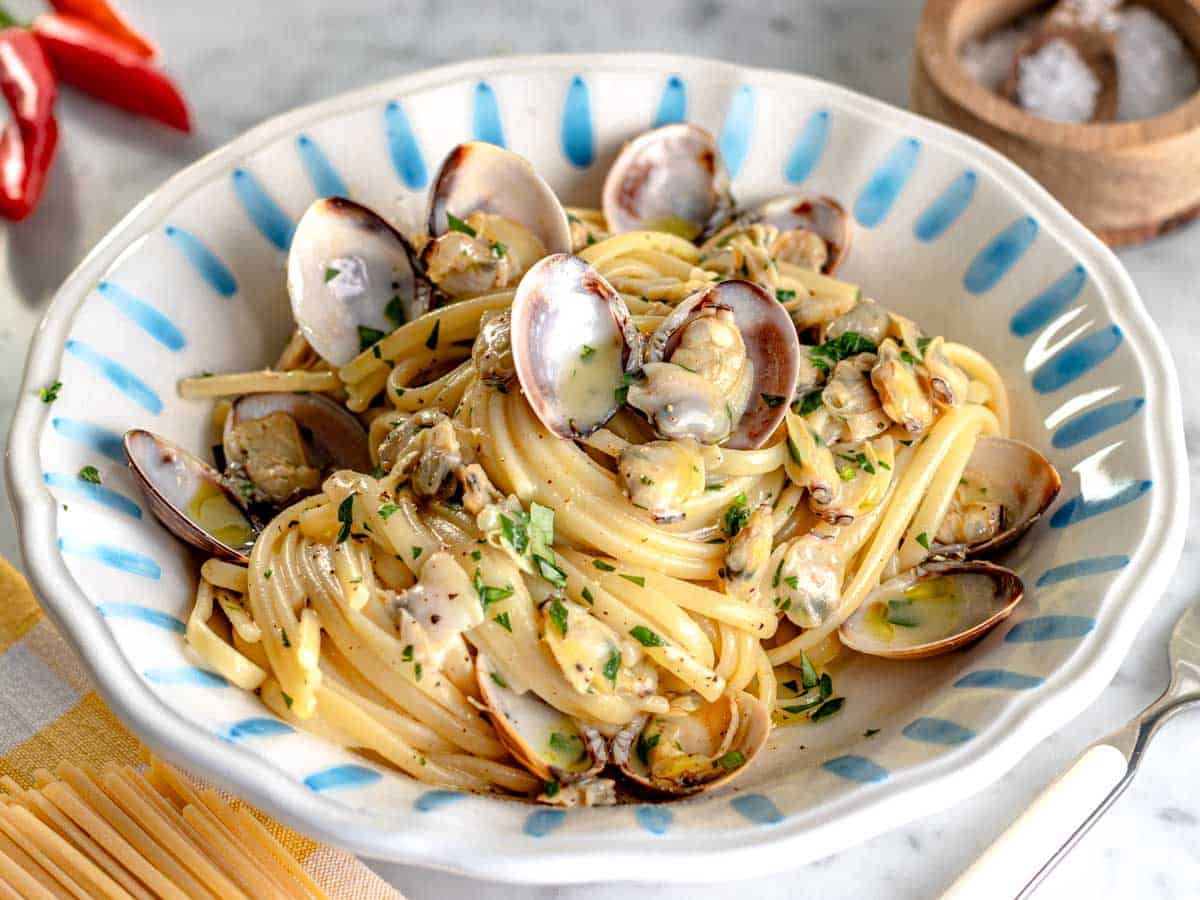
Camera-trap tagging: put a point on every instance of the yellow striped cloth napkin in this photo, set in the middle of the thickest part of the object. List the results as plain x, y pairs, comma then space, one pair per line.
50, 713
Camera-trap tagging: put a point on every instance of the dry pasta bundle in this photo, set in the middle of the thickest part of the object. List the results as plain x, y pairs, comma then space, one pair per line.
567, 504
123, 834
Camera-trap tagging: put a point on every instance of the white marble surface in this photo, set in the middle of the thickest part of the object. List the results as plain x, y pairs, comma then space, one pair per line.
240, 62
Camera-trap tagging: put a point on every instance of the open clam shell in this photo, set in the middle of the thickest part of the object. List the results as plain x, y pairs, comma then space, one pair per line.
547, 742
932, 609
698, 751
481, 177
572, 343
821, 215
1016, 477
771, 346
668, 179
189, 497
351, 278
333, 436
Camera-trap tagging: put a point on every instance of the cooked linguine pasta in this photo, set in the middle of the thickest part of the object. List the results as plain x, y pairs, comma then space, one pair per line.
612, 521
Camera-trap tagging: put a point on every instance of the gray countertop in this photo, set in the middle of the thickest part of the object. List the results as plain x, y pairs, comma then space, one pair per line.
240, 62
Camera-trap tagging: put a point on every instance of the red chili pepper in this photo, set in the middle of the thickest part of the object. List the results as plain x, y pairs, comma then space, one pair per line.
98, 64
108, 20
28, 142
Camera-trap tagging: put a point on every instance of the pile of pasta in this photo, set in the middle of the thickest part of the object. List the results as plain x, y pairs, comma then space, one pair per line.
124, 834
306, 625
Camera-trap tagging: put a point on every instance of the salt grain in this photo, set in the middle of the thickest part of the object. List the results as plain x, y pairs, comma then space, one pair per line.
1055, 83
990, 60
1157, 71
1089, 13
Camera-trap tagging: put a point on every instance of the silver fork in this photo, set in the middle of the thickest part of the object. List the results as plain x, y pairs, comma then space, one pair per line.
1010, 868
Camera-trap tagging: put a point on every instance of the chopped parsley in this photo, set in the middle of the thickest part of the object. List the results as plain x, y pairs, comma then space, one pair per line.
634, 579
736, 515
368, 336
331, 272
808, 672
645, 745
847, 344
870, 732
515, 533
909, 358
416, 552
923, 540
287, 698
603, 566
432, 341
923, 344
558, 615
830, 707
550, 788
503, 621
612, 666
90, 474
811, 403
783, 295
499, 249
345, 515
586, 351
454, 223
550, 571
267, 574
417, 670
587, 596
732, 760
394, 312
645, 636
388, 510
900, 612
488, 594
772, 400
287, 641
499, 679
49, 393
406, 655
847, 473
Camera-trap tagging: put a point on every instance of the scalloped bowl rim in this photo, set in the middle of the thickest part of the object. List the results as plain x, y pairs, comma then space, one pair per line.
853, 818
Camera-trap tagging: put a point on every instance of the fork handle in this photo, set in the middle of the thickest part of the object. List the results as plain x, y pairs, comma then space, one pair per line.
1031, 846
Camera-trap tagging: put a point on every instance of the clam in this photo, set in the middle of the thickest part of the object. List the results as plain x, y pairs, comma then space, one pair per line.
351, 278
547, 742
697, 746
932, 609
668, 179
280, 445
798, 215
1005, 488
189, 496
771, 350
573, 343
477, 177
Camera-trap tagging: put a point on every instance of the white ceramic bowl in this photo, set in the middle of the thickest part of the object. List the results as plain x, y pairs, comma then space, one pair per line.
948, 232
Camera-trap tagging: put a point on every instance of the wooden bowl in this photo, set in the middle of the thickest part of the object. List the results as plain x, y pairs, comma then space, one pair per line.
1127, 181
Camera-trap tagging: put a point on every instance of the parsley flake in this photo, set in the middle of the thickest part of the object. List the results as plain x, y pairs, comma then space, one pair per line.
645, 636
454, 223
90, 474
345, 515
49, 393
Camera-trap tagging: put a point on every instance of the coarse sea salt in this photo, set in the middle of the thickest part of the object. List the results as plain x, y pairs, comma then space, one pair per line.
990, 60
1055, 83
1156, 71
